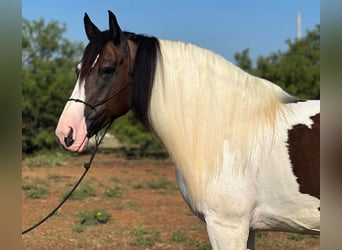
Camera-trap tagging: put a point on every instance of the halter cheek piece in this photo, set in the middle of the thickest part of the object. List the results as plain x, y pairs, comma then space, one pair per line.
93, 107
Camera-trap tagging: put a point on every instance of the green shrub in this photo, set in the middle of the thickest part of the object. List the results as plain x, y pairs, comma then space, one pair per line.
296, 237
79, 228
36, 192
93, 217
178, 237
47, 158
144, 237
84, 191
113, 192
136, 140
204, 246
36, 189
162, 183
54, 177
26, 186
138, 185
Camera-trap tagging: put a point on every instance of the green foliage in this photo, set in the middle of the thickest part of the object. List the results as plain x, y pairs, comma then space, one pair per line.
47, 158
92, 218
54, 177
48, 77
286, 241
178, 237
162, 183
36, 193
204, 246
135, 138
84, 191
245, 62
113, 192
26, 186
138, 185
296, 70
144, 237
79, 228
36, 189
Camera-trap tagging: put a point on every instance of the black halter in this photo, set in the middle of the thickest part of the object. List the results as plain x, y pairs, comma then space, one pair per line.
93, 106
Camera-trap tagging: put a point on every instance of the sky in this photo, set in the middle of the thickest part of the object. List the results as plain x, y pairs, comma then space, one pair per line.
225, 27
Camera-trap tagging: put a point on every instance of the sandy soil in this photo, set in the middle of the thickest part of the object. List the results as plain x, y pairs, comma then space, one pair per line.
149, 212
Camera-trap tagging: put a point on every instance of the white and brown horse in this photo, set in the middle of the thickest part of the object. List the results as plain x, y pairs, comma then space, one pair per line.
246, 152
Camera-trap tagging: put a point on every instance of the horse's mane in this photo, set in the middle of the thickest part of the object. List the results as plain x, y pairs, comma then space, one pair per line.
92, 50
143, 74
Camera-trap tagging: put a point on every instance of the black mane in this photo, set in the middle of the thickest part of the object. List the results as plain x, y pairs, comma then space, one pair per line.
93, 48
143, 74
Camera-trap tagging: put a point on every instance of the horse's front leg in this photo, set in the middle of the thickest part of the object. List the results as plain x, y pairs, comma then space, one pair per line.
227, 233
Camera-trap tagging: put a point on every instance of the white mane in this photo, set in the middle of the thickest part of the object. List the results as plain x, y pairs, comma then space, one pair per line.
200, 101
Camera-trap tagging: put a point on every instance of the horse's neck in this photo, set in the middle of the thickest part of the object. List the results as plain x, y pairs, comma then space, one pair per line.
200, 101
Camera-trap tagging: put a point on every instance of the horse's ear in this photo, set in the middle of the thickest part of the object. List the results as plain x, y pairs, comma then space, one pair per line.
91, 30
114, 28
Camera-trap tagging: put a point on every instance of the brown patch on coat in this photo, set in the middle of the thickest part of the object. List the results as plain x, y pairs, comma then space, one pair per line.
304, 151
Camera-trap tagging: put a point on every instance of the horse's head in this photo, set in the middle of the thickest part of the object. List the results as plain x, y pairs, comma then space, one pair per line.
102, 90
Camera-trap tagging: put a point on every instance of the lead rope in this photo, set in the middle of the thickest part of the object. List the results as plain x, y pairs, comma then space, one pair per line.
86, 168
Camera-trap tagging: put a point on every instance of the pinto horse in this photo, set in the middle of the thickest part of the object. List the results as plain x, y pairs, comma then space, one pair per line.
246, 152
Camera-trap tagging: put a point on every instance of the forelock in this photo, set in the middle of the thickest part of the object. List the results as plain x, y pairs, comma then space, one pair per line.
92, 51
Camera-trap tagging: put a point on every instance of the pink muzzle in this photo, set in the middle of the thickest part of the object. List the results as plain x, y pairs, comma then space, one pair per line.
72, 129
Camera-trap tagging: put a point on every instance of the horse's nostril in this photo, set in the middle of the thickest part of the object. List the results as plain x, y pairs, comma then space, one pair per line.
69, 140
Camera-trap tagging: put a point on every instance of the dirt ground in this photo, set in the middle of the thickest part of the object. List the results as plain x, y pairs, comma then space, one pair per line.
147, 210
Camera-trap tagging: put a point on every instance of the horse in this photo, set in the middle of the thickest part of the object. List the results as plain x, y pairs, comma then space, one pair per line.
246, 152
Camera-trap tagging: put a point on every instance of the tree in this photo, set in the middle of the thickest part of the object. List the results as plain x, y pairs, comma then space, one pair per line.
48, 60
134, 137
297, 70
244, 60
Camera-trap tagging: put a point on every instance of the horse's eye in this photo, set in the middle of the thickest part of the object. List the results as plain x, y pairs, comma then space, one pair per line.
106, 71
